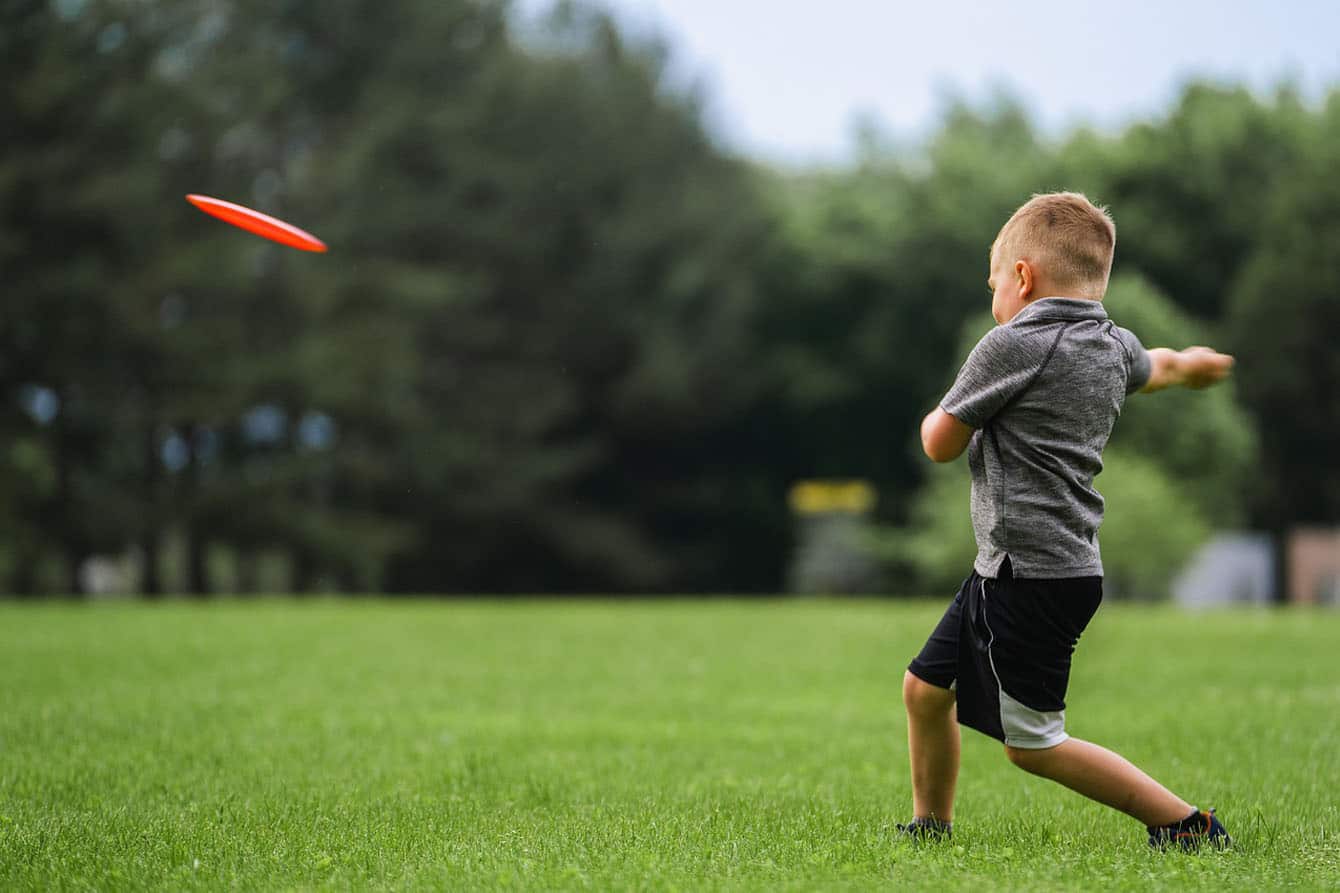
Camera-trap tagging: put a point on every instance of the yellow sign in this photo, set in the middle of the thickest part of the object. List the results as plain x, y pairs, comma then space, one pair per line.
821, 497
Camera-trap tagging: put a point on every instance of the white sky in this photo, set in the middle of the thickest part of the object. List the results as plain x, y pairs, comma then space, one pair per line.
787, 78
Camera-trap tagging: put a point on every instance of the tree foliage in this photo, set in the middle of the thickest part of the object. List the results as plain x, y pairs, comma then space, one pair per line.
563, 340
1281, 318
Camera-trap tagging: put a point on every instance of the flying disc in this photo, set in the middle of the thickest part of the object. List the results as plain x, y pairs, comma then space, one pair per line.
255, 222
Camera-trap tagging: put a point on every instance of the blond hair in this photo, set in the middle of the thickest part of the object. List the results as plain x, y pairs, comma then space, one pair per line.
1066, 237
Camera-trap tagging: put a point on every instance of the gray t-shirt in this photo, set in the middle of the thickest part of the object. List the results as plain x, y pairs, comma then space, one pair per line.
1043, 390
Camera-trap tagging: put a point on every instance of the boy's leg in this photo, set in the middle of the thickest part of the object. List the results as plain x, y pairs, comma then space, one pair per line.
1107, 777
933, 747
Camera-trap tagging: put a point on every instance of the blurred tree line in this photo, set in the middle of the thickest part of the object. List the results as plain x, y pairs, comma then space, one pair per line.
563, 341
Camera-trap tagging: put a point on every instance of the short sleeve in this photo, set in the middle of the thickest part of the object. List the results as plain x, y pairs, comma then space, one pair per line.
1002, 364
1138, 365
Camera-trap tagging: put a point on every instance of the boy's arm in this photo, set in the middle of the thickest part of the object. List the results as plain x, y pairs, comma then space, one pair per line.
1195, 367
943, 437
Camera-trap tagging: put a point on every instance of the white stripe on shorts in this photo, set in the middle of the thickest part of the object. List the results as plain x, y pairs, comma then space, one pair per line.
1027, 728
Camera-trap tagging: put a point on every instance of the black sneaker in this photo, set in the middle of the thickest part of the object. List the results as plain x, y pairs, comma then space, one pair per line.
922, 829
1192, 832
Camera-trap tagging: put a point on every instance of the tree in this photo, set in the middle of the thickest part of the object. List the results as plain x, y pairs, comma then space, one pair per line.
1204, 440
884, 263
1190, 190
550, 266
154, 334
60, 254
557, 320
1283, 315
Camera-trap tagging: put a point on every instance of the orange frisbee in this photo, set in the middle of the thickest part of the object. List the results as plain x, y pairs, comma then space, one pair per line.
255, 222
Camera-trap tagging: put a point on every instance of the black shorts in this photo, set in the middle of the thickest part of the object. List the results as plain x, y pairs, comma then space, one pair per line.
1004, 647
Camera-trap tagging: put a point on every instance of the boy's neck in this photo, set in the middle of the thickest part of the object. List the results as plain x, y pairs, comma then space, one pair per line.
1064, 297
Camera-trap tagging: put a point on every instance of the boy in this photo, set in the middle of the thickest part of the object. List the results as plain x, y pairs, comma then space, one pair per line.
1034, 405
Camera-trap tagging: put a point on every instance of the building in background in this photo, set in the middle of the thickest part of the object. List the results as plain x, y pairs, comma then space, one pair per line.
1232, 568
1242, 568
1313, 556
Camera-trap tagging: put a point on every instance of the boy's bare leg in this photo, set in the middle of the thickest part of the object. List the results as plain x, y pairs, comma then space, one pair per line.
932, 746
1107, 777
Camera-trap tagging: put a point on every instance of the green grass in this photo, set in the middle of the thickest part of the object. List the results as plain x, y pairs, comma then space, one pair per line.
690, 745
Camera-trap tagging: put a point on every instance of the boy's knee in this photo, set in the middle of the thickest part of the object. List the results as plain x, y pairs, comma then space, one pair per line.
922, 698
1030, 759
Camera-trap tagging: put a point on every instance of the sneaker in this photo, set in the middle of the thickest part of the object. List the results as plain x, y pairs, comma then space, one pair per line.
1191, 833
924, 829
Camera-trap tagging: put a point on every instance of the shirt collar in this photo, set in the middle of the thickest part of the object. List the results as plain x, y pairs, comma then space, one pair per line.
1062, 308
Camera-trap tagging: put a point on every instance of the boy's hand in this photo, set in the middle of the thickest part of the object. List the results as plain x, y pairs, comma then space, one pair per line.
1195, 367
1204, 366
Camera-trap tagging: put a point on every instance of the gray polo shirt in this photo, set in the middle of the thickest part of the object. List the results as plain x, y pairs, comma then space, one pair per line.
1043, 390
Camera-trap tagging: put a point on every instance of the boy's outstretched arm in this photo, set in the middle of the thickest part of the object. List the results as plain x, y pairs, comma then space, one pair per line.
1195, 367
943, 437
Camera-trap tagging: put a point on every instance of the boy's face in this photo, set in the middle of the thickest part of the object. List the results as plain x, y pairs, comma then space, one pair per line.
1011, 284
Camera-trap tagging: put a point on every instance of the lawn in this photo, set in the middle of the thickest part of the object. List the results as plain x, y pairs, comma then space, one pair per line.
664, 745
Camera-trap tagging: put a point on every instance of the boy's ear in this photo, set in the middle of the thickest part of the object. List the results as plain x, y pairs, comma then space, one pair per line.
1023, 271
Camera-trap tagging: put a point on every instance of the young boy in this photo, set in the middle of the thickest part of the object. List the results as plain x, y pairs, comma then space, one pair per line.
1034, 405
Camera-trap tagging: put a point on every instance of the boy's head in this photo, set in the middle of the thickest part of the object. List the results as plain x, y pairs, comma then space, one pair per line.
1056, 245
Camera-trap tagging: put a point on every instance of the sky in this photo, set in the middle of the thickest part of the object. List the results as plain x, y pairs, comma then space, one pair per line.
787, 79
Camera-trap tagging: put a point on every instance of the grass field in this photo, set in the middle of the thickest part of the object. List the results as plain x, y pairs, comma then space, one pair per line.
689, 745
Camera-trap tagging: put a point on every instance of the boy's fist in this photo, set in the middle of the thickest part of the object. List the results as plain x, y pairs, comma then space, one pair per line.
1204, 366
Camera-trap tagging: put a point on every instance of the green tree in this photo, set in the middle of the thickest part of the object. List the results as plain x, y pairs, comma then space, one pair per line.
155, 332
884, 263
1190, 190
551, 269
557, 320
1282, 318
68, 73
1204, 440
